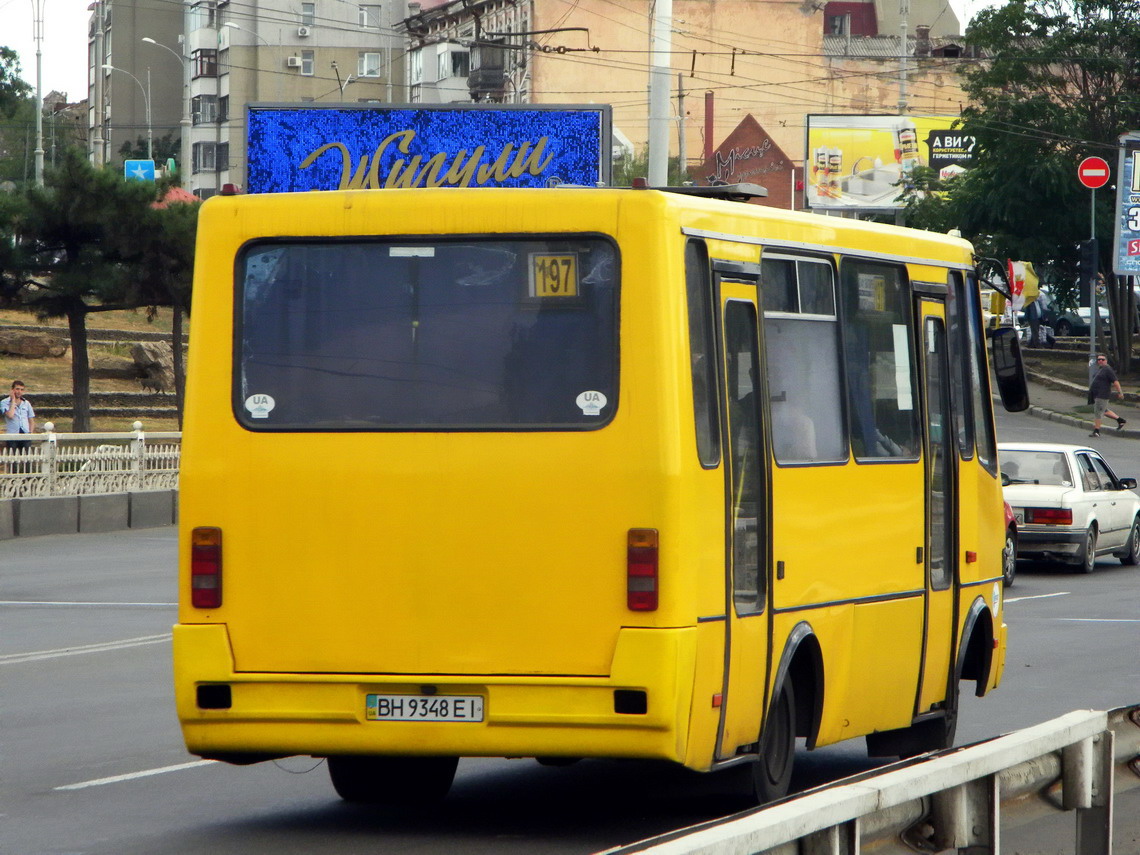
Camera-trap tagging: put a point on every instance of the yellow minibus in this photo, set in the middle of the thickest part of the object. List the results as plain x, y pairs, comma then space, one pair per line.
581, 472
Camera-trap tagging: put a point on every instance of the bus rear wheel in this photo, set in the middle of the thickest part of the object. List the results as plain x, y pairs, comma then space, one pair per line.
392, 780
772, 771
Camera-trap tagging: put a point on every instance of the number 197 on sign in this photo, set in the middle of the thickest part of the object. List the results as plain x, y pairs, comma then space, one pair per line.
554, 275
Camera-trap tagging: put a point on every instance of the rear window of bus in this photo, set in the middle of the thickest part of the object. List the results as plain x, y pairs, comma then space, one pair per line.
427, 334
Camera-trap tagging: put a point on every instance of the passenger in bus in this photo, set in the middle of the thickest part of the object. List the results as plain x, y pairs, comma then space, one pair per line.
793, 431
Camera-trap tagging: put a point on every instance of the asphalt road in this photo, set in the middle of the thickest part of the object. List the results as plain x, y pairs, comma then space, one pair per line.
91, 760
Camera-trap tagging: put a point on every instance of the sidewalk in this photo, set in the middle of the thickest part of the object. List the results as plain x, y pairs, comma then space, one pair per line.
1061, 401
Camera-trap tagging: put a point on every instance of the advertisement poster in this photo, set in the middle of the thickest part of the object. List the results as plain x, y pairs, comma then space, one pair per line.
342, 146
863, 162
1126, 240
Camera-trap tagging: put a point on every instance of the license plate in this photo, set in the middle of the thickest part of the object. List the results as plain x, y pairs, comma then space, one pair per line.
424, 708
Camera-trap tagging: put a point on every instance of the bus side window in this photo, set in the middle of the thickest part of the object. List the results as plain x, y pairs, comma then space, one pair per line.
880, 372
958, 340
698, 286
979, 380
801, 338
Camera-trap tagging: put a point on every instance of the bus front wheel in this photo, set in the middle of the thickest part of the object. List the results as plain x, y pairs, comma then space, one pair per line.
772, 771
392, 780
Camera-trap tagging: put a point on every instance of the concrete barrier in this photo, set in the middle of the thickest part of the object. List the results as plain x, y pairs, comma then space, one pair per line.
47, 515
91, 513
104, 512
150, 508
7, 519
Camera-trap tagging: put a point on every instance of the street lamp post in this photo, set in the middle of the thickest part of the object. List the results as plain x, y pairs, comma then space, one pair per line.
38, 34
185, 147
146, 103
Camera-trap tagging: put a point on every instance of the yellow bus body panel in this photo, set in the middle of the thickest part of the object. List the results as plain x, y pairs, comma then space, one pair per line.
494, 563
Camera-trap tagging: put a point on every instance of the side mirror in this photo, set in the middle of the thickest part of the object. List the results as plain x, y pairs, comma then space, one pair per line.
1127, 483
1005, 480
1009, 369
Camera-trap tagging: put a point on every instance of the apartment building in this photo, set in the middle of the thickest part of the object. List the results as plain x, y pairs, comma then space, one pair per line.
235, 54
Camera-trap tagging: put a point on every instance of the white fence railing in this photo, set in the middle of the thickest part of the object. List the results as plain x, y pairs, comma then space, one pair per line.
82, 464
957, 801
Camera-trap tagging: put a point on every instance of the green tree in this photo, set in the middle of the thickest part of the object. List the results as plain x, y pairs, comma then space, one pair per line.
628, 167
164, 147
13, 90
164, 274
79, 241
1060, 80
17, 122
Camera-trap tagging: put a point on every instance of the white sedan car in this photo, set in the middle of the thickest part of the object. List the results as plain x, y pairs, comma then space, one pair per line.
1069, 504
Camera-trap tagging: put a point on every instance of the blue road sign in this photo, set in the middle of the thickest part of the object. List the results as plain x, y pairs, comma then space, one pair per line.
140, 170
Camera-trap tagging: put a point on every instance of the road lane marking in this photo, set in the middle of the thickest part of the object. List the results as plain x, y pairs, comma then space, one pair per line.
1099, 620
1036, 597
39, 655
115, 779
92, 604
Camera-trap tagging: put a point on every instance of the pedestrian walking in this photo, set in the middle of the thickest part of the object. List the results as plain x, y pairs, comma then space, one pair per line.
1103, 386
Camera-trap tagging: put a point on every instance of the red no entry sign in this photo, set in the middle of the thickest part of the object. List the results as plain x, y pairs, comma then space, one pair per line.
1093, 172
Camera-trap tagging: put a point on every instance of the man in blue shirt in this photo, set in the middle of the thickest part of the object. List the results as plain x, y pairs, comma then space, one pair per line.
19, 417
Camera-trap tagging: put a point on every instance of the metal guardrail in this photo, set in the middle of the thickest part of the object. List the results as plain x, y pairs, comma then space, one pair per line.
953, 800
81, 464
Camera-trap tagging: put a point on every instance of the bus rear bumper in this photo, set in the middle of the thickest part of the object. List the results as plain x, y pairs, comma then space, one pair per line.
638, 711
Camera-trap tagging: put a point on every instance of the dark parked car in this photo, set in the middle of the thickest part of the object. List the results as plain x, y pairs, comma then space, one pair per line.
1065, 321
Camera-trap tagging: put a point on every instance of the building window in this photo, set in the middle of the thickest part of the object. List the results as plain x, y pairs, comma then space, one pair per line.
308, 14
205, 109
308, 60
222, 159
415, 94
369, 17
223, 108
205, 156
203, 15
453, 63
205, 62
416, 66
368, 64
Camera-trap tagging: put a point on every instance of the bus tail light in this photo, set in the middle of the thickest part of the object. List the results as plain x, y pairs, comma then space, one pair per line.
1049, 516
206, 568
641, 570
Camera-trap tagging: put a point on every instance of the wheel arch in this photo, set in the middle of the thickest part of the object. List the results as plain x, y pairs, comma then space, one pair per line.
802, 662
976, 652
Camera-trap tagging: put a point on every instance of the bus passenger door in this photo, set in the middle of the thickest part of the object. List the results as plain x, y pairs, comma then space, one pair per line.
941, 517
746, 520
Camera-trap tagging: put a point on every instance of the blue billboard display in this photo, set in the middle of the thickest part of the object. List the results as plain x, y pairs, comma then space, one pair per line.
342, 146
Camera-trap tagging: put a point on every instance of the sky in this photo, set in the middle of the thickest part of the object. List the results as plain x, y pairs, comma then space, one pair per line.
64, 45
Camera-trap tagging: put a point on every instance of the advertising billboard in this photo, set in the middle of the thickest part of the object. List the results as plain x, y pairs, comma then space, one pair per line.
1126, 237
863, 162
346, 146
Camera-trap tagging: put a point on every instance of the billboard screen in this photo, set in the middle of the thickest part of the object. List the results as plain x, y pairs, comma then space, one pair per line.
343, 146
1126, 239
861, 162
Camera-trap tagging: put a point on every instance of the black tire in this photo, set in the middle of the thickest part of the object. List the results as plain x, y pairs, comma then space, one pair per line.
772, 772
1131, 554
1086, 555
1064, 328
1009, 557
392, 780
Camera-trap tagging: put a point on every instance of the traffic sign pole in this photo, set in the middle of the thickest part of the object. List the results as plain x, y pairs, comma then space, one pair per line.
1093, 173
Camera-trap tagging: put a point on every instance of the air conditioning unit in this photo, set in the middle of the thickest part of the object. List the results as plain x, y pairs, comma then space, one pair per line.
292, 62
303, 32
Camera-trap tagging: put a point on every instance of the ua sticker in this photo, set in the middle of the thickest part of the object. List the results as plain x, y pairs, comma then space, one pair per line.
260, 406
590, 403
